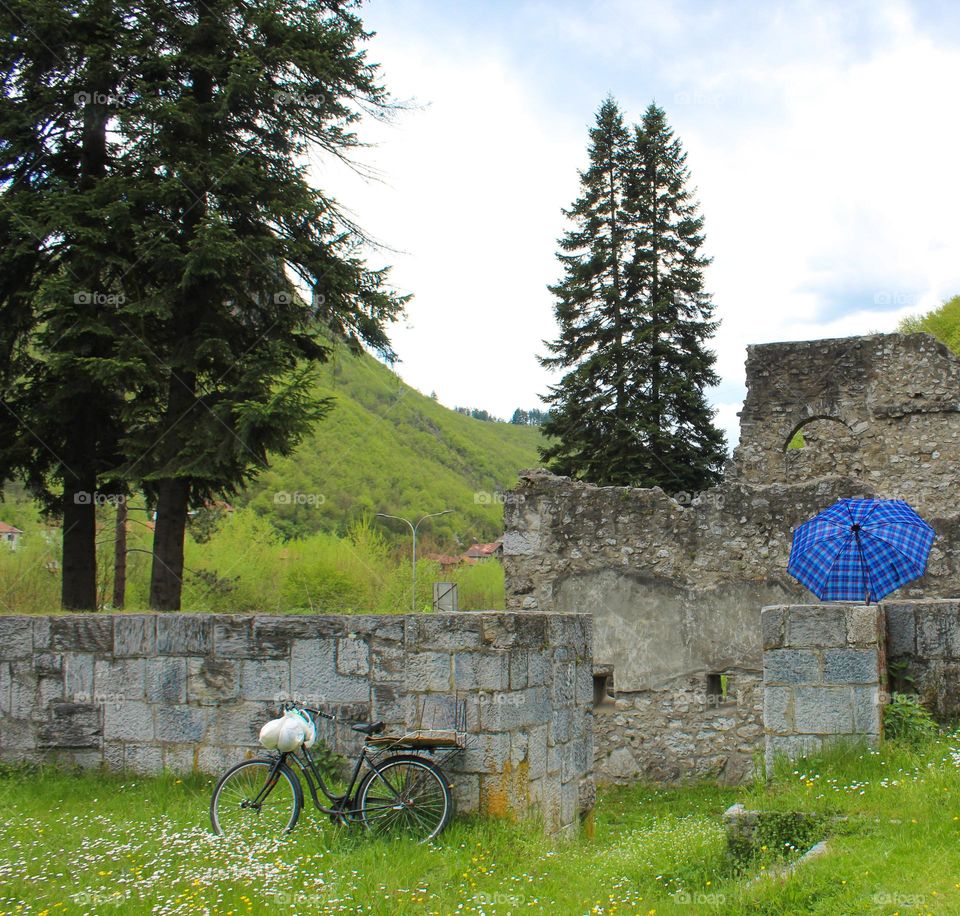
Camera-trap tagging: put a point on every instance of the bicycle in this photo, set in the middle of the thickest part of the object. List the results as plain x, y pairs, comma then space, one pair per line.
399, 794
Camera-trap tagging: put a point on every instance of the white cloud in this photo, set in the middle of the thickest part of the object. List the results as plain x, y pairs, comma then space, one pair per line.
821, 139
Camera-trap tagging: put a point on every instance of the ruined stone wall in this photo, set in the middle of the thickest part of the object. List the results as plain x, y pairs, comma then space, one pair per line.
676, 585
190, 692
923, 649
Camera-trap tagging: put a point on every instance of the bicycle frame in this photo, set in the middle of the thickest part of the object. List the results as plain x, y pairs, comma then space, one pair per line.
308, 768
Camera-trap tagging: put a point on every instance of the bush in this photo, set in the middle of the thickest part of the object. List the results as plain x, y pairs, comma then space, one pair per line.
907, 720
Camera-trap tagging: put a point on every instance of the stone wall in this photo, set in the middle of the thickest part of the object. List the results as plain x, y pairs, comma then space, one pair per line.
189, 692
923, 648
824, 676
676, 584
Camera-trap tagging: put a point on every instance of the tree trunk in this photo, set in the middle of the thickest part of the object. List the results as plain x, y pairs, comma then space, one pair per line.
120, 556
166, 578
78, 585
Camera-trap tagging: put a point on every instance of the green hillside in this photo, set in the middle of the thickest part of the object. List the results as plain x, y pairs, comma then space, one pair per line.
384, 447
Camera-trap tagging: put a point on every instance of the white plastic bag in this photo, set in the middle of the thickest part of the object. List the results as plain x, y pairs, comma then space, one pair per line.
293, 731
270, 733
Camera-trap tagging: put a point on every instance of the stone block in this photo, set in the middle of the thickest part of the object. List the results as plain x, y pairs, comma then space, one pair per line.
353, 656
180, 758
466, 792
505, 630
165, 679
816, 625
773, 627
519, 669
184, 634
572, 630
560, 725
386, 704
501, 712
851, 666
71, 725
78, 676
211, 681
113, 755
865, 626
584, 684
901, 626
238, 723
16, 637
233, 637
49, 690
938, 629
145, 760
539, 667
778, 711
791, 666
426, 671
82, 633
791, 747
134, 635
563, 690
867, 710
444, 631
181, 724
489, 671
123, 679
823, 710
267, 680
313, 674
537, 753
273, 636
569, 799
24, 687
5, 682
129, 721
41, 634
48, 664
485, 753
387, 663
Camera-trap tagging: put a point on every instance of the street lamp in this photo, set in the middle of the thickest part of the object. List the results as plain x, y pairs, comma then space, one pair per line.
413, 529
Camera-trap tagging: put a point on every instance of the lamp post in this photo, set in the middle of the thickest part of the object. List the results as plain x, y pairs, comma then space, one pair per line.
413, 529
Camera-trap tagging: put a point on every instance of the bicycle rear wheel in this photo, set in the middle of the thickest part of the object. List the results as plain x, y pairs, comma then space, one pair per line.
410, 797
244, 807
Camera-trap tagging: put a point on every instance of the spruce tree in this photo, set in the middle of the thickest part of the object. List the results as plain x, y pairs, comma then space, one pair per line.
634, 319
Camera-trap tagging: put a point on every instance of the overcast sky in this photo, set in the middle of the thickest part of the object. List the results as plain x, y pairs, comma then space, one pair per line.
823, 139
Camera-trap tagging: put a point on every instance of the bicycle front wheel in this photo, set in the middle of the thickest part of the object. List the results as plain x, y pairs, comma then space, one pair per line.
405, 796
246, 806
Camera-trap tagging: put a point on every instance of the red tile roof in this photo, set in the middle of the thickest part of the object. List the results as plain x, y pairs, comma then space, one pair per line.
9, 529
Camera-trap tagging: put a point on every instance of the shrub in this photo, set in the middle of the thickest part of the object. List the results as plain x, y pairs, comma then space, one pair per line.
907, 720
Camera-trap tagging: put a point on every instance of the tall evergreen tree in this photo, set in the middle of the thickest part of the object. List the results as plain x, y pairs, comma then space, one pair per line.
634, 319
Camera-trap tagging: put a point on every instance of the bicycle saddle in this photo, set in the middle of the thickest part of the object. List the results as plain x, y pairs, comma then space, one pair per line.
369, 728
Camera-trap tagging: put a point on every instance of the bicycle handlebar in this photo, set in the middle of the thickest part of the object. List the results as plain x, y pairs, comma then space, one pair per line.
317, 712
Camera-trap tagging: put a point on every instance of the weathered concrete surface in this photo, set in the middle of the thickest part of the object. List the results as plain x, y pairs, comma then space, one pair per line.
676, 585
190, 692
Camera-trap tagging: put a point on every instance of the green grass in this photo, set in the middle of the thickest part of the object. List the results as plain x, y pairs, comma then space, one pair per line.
124, 844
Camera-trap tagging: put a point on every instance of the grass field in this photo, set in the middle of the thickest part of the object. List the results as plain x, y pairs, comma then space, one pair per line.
112, 844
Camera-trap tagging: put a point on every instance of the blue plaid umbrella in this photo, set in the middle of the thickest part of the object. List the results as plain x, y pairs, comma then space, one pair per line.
860, 549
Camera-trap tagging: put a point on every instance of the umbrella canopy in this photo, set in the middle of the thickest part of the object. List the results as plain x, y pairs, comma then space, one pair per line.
860, 549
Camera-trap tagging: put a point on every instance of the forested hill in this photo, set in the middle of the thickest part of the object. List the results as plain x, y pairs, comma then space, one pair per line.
384, 447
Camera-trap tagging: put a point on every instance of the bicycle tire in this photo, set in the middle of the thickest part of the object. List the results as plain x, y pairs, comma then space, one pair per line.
242, 783
423, 816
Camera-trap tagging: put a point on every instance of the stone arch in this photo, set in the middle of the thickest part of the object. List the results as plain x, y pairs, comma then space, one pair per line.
829, 446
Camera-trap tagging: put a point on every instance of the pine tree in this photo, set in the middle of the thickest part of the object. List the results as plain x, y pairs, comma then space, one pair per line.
634, 319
